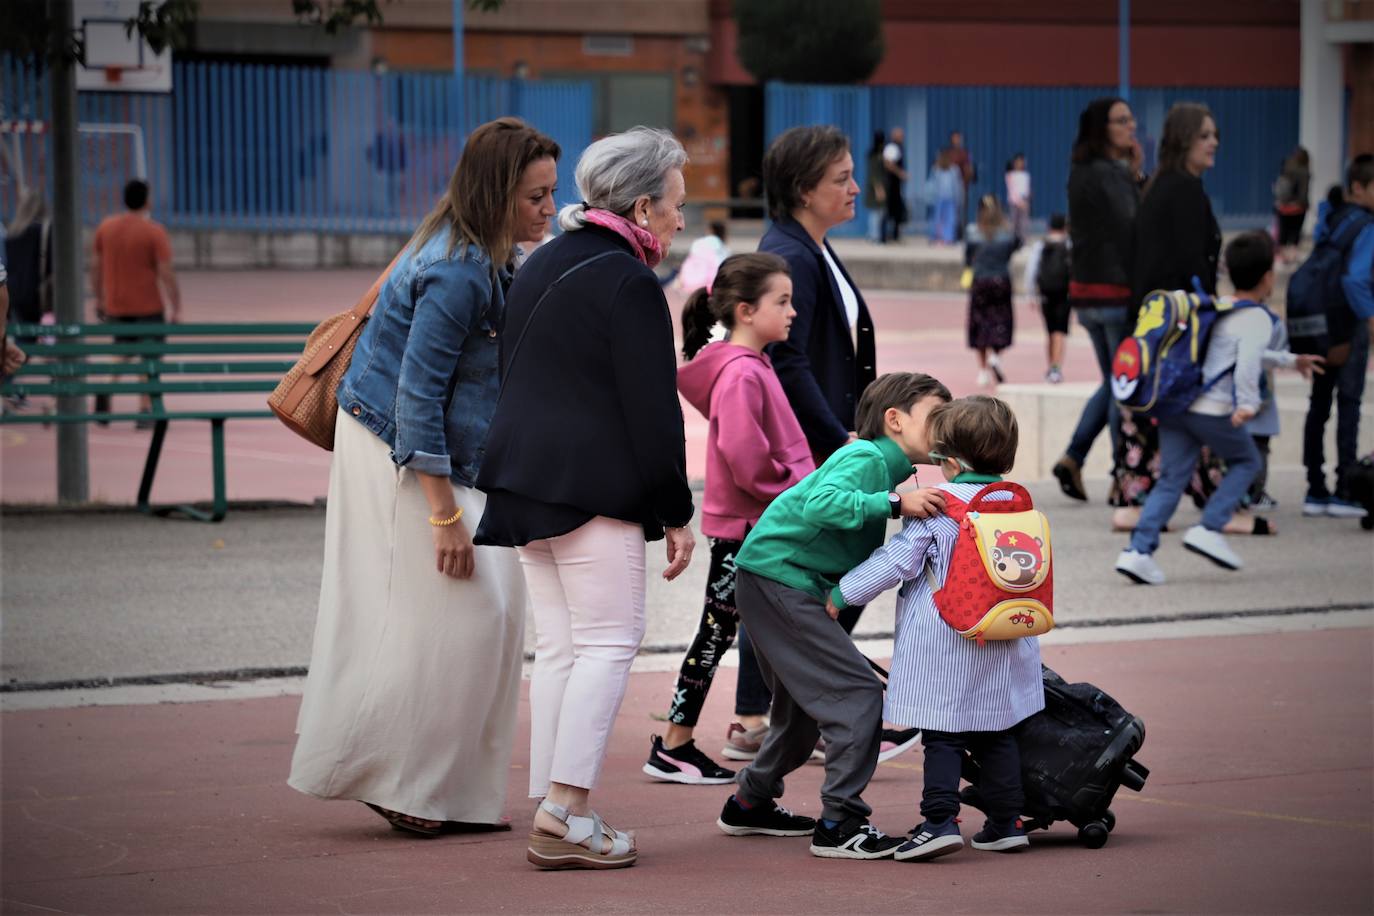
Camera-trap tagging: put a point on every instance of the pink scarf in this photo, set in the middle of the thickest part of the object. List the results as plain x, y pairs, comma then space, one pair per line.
643, 242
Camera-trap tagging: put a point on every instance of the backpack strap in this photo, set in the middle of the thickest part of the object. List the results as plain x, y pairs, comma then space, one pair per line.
1345, 232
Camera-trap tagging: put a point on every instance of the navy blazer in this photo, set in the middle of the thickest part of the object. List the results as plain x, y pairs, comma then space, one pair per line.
817, 364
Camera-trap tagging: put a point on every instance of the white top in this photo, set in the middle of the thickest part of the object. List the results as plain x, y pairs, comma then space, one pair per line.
892, 153
847, 296
939, 679
1018, 186
1238, 339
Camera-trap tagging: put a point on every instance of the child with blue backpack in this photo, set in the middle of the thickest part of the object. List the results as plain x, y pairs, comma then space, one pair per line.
1244, 337
956, 675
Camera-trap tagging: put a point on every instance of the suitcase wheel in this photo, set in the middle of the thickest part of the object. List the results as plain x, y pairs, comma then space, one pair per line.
1109, 819
1094, 835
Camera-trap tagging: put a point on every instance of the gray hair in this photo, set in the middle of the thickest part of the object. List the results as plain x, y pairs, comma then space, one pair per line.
617, 170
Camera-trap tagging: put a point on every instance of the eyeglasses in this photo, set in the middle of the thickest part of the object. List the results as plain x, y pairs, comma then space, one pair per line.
937, 459
1123, 121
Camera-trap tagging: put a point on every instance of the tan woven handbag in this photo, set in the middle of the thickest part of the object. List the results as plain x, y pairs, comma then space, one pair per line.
305, 399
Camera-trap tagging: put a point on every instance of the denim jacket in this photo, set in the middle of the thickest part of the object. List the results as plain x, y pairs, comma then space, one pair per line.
425, 373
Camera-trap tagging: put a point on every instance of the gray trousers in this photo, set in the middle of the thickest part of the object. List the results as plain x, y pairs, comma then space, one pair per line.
822, 687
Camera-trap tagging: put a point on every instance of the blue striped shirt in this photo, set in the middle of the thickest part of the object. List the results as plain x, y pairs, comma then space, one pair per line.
939, 679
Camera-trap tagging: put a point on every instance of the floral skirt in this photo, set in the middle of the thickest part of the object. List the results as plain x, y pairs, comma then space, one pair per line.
1137, 466
990, 316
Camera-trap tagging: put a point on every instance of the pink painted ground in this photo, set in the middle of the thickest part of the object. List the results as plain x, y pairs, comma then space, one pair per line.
916, 331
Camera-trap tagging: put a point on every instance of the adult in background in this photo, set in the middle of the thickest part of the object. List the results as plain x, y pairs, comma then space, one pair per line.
875, 189
131, 274
968, 173
410, 706
1103, 198
586, 461
894, 174
1292, 190
28, 255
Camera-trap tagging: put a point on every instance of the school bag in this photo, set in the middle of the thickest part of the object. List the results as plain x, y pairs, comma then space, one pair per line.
1000, 584
1157, 371
1319, 318
1053, 276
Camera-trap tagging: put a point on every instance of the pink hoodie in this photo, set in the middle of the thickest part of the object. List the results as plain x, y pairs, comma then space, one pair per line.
755, 448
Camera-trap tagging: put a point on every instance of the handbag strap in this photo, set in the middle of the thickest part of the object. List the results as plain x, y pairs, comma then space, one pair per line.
510, 361
345, 329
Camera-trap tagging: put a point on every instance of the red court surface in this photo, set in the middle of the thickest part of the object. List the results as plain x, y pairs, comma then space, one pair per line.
1259, 801
915, 331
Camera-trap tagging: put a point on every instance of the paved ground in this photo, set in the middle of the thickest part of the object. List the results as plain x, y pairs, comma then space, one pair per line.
1258, 802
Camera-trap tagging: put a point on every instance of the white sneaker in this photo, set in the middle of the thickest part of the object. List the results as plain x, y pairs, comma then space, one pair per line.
1344, 508
1314, 506
995, 364
983, 378
1213, 546
1139, 567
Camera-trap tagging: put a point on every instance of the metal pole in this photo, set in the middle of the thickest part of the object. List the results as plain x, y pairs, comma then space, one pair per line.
73, 478
1123, 49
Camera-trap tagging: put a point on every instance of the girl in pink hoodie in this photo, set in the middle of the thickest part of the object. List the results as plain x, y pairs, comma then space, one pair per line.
755, 450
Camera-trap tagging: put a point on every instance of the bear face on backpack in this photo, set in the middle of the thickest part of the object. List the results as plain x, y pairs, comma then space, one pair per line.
1000, 582
1157, 371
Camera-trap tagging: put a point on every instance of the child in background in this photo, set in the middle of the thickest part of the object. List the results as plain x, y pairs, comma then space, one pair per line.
1018, 195
1047, 270
755, 449
1217, 419
988, 250
944, 188
822, 685
962, 695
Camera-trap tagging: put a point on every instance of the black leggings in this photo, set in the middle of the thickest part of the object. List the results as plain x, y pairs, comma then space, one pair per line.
715, 635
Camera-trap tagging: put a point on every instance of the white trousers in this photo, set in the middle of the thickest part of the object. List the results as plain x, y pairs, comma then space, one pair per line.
586, 592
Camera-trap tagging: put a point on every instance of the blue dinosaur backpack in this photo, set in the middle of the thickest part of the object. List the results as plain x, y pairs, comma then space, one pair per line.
1157, 371
1319, 317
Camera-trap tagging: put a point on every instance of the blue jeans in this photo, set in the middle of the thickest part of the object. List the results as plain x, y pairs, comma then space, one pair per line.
1347, 386
752, 697
1181, 439
1107, 326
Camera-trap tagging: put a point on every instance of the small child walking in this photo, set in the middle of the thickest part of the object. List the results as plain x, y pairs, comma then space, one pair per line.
822, 685
1047, 270
964, 696
988, 250
755, 449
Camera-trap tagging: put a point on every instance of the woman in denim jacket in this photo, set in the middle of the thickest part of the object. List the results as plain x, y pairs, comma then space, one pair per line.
410, 706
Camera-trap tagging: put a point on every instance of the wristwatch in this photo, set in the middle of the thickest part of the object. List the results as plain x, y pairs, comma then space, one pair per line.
894, 504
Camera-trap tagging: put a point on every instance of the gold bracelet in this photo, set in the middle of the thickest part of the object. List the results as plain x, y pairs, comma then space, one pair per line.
445, 522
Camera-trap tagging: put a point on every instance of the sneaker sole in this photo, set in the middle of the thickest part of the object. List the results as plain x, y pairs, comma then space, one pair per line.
1138, 580
835, 852
931, 850
734, 753
1345, 512
1313, 511
1223, 563
1005, 844
898, 750
686, 779
733, 830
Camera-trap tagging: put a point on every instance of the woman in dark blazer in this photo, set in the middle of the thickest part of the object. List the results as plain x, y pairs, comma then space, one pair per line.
828, 358
585, 461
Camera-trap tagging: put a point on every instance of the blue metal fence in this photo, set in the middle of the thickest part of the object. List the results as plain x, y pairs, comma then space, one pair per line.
1259, 127
275, 148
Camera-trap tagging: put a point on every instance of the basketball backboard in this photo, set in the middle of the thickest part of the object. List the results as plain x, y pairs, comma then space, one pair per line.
116, 61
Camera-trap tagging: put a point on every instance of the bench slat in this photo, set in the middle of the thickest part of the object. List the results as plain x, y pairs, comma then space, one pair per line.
124, 417
153, 366
246, 329
203, 386
130, 348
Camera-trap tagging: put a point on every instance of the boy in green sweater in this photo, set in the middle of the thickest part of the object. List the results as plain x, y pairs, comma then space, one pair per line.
822, 685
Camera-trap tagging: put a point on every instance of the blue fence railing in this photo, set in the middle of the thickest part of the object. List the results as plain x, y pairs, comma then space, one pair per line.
1259, 127
280, 148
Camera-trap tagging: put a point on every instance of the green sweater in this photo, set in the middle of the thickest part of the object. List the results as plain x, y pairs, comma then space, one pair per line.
829, 523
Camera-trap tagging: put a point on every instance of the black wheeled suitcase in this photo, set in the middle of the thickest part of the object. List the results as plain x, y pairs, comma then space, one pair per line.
1075, 754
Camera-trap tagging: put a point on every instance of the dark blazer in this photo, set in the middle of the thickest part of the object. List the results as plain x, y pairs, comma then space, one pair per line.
1103, 200
820, 371
588, 421
1176, 236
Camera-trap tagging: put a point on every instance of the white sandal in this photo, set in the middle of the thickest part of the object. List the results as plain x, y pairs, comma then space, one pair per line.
574, 849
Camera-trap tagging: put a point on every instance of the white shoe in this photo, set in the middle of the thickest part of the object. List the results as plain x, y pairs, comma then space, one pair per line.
1213, 546
984, 379
995, 364
1139, 567
1344, 508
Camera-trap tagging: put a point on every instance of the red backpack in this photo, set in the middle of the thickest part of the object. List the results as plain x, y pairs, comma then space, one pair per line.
1000, 584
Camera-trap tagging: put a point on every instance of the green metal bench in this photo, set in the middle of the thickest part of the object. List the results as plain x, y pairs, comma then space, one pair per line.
192, 359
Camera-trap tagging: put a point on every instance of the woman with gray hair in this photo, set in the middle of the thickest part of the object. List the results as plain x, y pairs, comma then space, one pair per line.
585, 462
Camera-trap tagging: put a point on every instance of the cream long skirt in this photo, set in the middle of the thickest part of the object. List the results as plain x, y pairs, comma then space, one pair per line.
414, 678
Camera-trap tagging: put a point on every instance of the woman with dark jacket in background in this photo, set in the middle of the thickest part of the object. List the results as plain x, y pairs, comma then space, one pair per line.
1103, 197
586, 460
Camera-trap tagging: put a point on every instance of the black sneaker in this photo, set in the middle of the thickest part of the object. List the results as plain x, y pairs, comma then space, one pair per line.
931, 840
853, 838
897, 741
1001, 838
760, 820
685, 764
